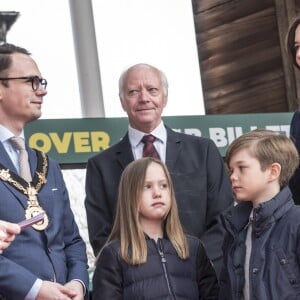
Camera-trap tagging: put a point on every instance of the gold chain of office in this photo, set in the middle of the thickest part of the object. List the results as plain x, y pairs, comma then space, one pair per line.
30, 189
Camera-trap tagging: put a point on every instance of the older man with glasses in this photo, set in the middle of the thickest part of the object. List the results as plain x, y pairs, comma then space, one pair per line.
47, 260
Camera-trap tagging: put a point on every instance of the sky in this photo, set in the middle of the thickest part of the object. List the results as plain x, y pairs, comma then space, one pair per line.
159, 32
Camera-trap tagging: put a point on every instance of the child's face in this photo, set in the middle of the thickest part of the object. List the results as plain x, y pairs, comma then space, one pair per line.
249, 182
155, 199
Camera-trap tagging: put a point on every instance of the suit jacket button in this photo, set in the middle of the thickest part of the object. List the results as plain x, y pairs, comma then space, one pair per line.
255, 271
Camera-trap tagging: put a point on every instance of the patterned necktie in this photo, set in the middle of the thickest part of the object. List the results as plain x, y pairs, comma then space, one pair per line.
149, 149
19, 144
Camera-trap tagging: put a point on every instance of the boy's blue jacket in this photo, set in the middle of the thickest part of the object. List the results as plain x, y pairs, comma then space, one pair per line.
274, 270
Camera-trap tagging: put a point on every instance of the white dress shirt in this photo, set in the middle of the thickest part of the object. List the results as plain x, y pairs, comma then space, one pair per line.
135, 137
13, 153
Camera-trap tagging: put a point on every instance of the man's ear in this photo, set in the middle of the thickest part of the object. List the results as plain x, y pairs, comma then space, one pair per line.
275, 170
122, 103
165, 101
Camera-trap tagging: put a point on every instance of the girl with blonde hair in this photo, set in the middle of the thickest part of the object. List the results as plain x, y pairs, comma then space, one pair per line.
147, 255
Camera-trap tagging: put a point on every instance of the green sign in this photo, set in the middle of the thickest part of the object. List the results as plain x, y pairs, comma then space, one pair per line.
73, 141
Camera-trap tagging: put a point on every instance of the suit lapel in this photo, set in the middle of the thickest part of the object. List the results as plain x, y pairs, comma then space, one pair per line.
7, 163
174, 146
5, 159
123, 152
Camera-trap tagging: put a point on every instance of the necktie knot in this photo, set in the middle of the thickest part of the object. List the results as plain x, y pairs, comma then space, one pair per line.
149, 149
18, 142
148, 138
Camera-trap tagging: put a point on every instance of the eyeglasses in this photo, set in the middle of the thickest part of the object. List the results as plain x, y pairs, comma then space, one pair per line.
36, 82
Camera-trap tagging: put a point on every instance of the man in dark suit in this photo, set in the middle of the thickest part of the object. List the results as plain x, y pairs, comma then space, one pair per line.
201, 183
48, 259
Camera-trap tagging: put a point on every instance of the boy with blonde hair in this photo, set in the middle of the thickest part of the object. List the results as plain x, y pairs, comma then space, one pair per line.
261, 248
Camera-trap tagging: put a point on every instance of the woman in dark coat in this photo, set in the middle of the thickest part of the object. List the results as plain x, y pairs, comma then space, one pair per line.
293, 43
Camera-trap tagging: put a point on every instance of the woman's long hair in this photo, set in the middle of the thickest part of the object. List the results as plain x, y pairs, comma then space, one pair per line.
290, 40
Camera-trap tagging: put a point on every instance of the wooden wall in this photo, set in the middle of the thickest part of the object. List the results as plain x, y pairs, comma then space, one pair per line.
242, 57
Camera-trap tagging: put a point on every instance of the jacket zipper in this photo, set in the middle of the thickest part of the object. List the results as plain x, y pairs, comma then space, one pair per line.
164, 261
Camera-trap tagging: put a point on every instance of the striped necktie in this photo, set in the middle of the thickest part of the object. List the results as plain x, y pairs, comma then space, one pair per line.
149, 149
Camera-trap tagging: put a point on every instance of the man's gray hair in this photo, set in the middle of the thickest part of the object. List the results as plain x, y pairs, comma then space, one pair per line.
163, 78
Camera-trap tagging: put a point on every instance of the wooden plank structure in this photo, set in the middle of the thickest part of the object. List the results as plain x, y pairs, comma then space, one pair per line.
242, 56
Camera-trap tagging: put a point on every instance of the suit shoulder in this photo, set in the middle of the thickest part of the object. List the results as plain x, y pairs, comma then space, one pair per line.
190, 137
109, 151
51, 161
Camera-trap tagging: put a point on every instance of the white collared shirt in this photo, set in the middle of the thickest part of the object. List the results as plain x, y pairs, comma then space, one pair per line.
160, 143
13, 153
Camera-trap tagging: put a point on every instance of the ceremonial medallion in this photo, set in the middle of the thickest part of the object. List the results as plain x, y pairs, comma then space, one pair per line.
34, 209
